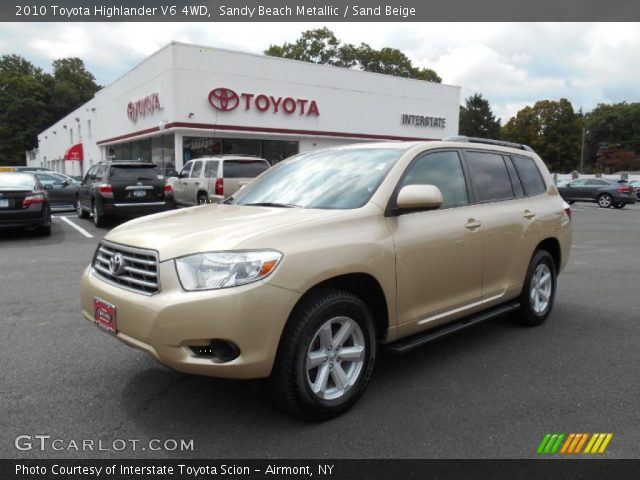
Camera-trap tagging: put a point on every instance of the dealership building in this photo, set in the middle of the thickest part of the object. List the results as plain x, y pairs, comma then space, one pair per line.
188, 101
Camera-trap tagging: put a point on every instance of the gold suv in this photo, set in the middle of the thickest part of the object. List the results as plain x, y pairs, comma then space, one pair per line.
303, 274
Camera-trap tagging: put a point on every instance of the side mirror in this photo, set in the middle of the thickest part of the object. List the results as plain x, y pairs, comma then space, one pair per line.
419, 197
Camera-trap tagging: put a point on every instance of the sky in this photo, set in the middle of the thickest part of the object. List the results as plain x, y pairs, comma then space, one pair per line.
511, 64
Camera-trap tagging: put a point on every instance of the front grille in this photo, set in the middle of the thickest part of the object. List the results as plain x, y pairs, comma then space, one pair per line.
138, 270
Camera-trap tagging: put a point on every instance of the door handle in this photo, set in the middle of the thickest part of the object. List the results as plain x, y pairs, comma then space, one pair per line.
473, 224
528, 214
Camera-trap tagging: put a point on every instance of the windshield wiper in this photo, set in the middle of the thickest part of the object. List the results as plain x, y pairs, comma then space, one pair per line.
270, 204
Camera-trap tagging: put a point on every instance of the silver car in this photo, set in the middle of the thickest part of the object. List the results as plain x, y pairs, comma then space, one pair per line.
212, 179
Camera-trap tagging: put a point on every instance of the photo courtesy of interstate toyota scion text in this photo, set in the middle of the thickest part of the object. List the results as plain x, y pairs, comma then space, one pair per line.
306, 272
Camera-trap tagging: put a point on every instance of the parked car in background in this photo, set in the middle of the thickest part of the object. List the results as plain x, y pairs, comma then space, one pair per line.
606, 193
305, 272
62, 190
636, 185
123, 189
24, 203
212, 179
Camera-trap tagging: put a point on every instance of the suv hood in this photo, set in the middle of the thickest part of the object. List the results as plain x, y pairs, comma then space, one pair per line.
209, 228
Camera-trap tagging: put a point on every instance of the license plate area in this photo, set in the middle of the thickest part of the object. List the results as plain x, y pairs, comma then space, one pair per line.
139, 193
104, 315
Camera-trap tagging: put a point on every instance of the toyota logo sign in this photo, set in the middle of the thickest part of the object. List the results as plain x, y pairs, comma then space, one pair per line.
224, 99
116, 264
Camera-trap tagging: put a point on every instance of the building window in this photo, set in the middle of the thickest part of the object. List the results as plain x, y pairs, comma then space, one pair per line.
89, 129
273, 150
71, 136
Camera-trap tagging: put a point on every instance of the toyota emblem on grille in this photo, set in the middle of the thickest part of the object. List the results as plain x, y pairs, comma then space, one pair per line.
116, 264
223, 99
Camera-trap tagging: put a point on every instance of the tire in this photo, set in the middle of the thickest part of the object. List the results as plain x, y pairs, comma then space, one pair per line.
45, 229
619, 205
534, 309
98, 219
331, 385
605, 200
80, 211
202, 199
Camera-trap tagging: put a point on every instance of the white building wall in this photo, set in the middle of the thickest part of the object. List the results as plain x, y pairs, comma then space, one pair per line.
353, 106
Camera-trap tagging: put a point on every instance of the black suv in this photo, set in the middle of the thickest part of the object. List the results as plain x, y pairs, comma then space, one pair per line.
123, 188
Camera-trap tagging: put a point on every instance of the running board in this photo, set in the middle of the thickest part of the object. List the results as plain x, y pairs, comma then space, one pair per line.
407, 344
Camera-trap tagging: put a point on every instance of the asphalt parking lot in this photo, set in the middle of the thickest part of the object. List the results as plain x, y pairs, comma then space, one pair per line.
489, 392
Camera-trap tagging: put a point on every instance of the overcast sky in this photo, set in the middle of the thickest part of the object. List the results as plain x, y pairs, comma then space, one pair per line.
510, 64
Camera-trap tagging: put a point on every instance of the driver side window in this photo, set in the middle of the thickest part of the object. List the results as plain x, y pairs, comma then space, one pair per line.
444, 170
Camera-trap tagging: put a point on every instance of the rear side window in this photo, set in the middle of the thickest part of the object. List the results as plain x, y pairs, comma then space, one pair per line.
530, 175
599, 183
243, 168
515, 180
130, 173
490, 176
211, 169
444, 170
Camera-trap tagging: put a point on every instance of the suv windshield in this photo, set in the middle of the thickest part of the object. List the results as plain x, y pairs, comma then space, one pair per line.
128, 173
331, 179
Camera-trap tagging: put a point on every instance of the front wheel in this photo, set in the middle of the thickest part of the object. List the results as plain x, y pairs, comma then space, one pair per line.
619, 205
605, 200
326, 355
538, 292
80, 211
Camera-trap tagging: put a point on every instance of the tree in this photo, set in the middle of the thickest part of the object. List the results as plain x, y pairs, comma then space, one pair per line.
24, 100
73, 85
323, 47
31, 100
612, 124
477, 119
552, 129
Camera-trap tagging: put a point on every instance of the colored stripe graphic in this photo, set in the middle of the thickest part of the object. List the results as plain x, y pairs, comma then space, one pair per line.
572, 443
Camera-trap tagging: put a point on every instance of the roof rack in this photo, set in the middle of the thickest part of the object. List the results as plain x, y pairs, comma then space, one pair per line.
463, 138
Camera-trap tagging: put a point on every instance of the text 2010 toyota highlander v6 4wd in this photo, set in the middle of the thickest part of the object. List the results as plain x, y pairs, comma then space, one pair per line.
301, 275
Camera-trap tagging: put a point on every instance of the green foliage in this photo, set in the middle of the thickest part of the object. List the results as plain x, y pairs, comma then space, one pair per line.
322, 46
31, 100
477, 118
616, 125
552, 129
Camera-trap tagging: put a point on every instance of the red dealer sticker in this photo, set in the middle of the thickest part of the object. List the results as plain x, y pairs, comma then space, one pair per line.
105, 314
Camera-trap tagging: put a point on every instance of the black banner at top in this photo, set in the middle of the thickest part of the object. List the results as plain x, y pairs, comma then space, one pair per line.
317, 10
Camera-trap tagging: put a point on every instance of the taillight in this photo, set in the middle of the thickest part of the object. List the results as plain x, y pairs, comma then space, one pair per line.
31, 199
105, 190
567, 209
623, 189
219, 186
168, 189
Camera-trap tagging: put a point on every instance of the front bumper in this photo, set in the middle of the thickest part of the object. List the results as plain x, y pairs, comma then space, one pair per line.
166, 324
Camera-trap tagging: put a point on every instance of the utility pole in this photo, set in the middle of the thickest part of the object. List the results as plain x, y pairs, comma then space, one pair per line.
582, 151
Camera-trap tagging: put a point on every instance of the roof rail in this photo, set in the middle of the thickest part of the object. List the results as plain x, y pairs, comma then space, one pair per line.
463, 138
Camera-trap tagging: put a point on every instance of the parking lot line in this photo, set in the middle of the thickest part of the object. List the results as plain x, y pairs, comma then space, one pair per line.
78, 228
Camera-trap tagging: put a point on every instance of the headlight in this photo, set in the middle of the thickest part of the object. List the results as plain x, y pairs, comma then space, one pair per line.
213, 270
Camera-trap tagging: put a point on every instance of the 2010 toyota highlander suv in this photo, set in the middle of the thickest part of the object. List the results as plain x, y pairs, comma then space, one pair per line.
305, 272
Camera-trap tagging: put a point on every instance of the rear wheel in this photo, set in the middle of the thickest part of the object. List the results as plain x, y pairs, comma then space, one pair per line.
619, 205
538, 292
605, 200
98, 219
45, 228
202, 198
326, 355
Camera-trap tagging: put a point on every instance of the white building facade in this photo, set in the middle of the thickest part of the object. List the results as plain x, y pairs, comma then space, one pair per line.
187, 101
